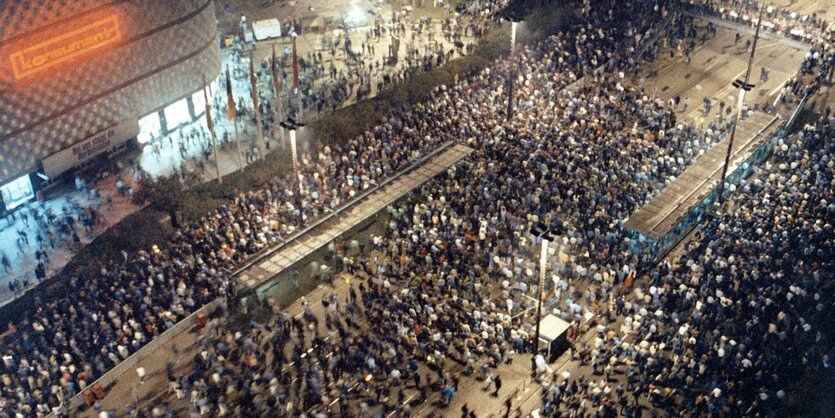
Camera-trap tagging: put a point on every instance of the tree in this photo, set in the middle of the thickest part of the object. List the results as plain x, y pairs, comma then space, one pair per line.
166, 193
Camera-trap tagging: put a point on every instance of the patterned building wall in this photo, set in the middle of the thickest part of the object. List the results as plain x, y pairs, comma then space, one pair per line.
165, 49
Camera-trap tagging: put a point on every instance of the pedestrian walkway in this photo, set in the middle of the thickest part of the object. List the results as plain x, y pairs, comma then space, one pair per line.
750, 31
319, 235
35, 234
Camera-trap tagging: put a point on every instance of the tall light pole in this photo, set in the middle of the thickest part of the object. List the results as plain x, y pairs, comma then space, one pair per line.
291, 125
514, 21
545, 234
743, 87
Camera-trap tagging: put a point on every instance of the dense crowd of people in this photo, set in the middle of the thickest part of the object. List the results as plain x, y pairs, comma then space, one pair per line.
340, 71
811, 28
66, 344
718, 331
41, 231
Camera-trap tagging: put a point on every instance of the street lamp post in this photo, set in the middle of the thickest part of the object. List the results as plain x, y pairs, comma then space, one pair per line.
743, 87
512, 75
291, 125
544, 234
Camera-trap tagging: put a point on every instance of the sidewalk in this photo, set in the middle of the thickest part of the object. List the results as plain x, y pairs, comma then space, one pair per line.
22, 255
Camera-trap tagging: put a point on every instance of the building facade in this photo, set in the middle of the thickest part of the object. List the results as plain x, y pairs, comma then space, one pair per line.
78, 76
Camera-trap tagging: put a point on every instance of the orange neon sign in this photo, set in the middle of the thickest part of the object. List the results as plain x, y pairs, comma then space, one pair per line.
53, 51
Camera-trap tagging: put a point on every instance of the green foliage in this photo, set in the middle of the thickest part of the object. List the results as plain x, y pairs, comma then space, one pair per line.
137, 231
164, 192
493, 45
547, 20
466, 66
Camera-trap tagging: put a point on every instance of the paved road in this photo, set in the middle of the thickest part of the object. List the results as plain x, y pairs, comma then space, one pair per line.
824, 8
471, 392
713, 67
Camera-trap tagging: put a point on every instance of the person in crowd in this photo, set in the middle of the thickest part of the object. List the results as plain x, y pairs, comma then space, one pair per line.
717, 331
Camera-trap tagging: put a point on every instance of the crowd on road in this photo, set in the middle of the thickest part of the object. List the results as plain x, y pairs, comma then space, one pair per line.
66, 343
812, 28
724, 315
728, 327
430, 296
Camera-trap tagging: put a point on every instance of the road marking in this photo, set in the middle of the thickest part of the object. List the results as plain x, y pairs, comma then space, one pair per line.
776, 89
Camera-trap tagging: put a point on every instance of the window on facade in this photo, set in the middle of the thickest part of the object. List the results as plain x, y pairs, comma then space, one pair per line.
149, 128
177, 114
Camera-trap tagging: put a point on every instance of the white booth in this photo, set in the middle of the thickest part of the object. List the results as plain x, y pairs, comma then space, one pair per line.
266, 29
553, 336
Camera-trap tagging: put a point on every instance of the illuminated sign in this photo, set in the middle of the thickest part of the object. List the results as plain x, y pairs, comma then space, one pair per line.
53, 51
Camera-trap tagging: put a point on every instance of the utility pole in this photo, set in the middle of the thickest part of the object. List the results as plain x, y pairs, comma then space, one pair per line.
743, 87
291, 125
544, 234
512, 75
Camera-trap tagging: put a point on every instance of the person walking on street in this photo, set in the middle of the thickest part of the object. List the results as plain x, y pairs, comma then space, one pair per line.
498, 382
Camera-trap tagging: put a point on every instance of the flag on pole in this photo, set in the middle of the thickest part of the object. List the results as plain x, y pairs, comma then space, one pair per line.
230, 101
252, 84
276, 80
208, 108
295, 66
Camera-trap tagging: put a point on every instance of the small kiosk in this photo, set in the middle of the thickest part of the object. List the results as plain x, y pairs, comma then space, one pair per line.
553, 336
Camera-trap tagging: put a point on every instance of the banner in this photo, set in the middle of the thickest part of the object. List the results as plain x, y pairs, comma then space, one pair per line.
92, 146
230, 100
208, 109
295, 66
252, 87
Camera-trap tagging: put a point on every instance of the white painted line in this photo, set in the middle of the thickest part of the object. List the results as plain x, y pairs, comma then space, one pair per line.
776, 89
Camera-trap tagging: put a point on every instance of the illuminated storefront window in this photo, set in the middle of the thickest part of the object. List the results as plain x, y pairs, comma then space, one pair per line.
177, 114
17, 192
198, 103
149, 128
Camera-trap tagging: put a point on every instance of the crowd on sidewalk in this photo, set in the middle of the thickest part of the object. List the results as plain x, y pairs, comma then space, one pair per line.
325, 84
43, 231
584, 159
339, 72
